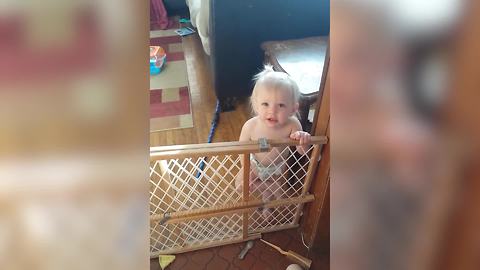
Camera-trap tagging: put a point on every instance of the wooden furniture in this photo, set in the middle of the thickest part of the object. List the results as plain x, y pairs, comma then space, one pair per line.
304, 60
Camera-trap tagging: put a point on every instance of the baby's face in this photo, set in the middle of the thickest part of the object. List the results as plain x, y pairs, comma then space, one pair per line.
274, 106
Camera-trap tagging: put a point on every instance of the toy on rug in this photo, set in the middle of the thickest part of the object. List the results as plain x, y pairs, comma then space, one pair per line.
157, 59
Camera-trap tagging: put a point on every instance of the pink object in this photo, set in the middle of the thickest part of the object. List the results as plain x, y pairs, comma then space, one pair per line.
158, 15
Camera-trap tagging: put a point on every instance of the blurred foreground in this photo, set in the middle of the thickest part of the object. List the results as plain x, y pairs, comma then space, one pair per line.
73, 139
405, 176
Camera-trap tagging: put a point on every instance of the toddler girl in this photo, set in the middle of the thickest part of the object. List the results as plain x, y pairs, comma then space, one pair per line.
274, 101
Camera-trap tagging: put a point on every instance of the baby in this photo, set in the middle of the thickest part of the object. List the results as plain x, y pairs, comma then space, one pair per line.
274, 101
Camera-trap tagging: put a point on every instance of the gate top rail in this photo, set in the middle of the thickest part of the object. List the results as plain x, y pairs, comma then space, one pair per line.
225, 148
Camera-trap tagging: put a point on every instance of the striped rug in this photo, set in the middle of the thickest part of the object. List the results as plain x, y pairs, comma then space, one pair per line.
170, 106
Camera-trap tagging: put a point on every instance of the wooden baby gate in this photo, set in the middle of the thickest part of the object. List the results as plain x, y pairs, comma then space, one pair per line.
194, 203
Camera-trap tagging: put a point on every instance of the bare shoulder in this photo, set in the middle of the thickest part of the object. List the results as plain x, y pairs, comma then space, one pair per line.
294, 124
250, 124
248, 127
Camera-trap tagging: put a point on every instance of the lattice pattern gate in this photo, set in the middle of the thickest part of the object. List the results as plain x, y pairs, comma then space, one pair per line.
194, 202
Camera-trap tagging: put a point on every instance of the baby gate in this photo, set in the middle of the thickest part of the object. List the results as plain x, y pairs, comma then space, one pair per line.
194, 203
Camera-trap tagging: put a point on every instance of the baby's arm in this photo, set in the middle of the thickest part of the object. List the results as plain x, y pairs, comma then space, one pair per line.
298, 134
246, 132
245, 136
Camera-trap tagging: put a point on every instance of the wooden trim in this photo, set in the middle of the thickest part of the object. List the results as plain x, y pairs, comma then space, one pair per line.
249, 206
322, 118
198, 145
322, 111
204, 152
227, 148
311, 169
246, 178
323, 100
312, 166
319, 188
209, 245
315, 139
245, 225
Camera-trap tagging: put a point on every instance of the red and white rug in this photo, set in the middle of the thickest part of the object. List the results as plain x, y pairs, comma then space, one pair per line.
170, 106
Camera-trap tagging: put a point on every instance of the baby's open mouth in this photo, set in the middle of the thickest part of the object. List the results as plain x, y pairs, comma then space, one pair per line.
273, 120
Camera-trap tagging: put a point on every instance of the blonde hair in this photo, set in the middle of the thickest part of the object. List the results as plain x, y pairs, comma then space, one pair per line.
274, 80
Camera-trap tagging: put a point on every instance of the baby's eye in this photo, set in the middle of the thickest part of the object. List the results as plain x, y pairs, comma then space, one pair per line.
265, 104
281, 105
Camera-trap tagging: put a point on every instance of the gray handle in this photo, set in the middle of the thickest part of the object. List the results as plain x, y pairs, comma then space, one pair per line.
244, 251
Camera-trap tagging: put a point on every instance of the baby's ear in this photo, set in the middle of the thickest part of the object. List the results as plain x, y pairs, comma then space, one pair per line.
296, 107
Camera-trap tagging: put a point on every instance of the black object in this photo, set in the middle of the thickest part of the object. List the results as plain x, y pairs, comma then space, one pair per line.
176, 7
237, 28
213, 127
227, 104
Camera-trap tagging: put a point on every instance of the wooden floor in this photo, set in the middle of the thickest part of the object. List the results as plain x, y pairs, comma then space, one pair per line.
260, 257
203, 104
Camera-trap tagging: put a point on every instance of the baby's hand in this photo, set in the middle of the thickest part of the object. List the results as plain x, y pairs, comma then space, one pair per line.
302, 136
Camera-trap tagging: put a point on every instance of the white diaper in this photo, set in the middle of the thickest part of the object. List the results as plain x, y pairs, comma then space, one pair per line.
264, 172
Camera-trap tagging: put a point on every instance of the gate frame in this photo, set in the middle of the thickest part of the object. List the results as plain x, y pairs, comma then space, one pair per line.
247, 205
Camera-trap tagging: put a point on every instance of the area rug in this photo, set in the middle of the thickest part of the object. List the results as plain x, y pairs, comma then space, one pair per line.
170, 106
